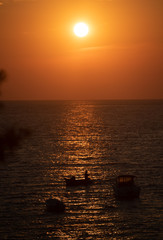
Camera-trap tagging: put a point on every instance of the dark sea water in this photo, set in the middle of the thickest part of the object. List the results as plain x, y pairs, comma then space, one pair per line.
107, 138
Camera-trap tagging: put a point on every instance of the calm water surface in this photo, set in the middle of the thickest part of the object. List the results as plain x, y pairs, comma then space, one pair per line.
107, 138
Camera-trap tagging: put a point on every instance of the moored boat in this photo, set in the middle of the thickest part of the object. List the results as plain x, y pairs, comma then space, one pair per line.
125, 187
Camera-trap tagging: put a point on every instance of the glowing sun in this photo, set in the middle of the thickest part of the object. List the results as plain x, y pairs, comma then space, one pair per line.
81, 29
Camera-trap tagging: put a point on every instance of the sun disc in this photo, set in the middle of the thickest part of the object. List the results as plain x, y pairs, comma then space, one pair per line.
81, 29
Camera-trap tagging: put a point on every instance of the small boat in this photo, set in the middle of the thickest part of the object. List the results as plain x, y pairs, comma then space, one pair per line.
72, 182
125, 188
55, 205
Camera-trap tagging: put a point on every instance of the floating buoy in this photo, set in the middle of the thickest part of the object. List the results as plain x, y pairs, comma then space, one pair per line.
55, 205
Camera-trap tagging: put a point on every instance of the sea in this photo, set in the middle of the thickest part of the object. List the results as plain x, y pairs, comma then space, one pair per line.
106, 138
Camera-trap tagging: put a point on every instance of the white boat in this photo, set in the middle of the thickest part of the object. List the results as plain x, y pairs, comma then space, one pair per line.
125, 187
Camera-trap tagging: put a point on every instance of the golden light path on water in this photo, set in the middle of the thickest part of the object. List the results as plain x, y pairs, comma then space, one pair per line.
82, 150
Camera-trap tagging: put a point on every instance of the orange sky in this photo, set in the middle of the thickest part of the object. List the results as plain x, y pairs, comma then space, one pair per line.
121, 58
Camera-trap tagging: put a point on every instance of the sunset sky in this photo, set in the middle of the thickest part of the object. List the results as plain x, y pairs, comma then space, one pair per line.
120, 58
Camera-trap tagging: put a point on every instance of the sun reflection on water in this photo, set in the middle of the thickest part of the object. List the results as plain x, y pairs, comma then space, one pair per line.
80, 132
83, 143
